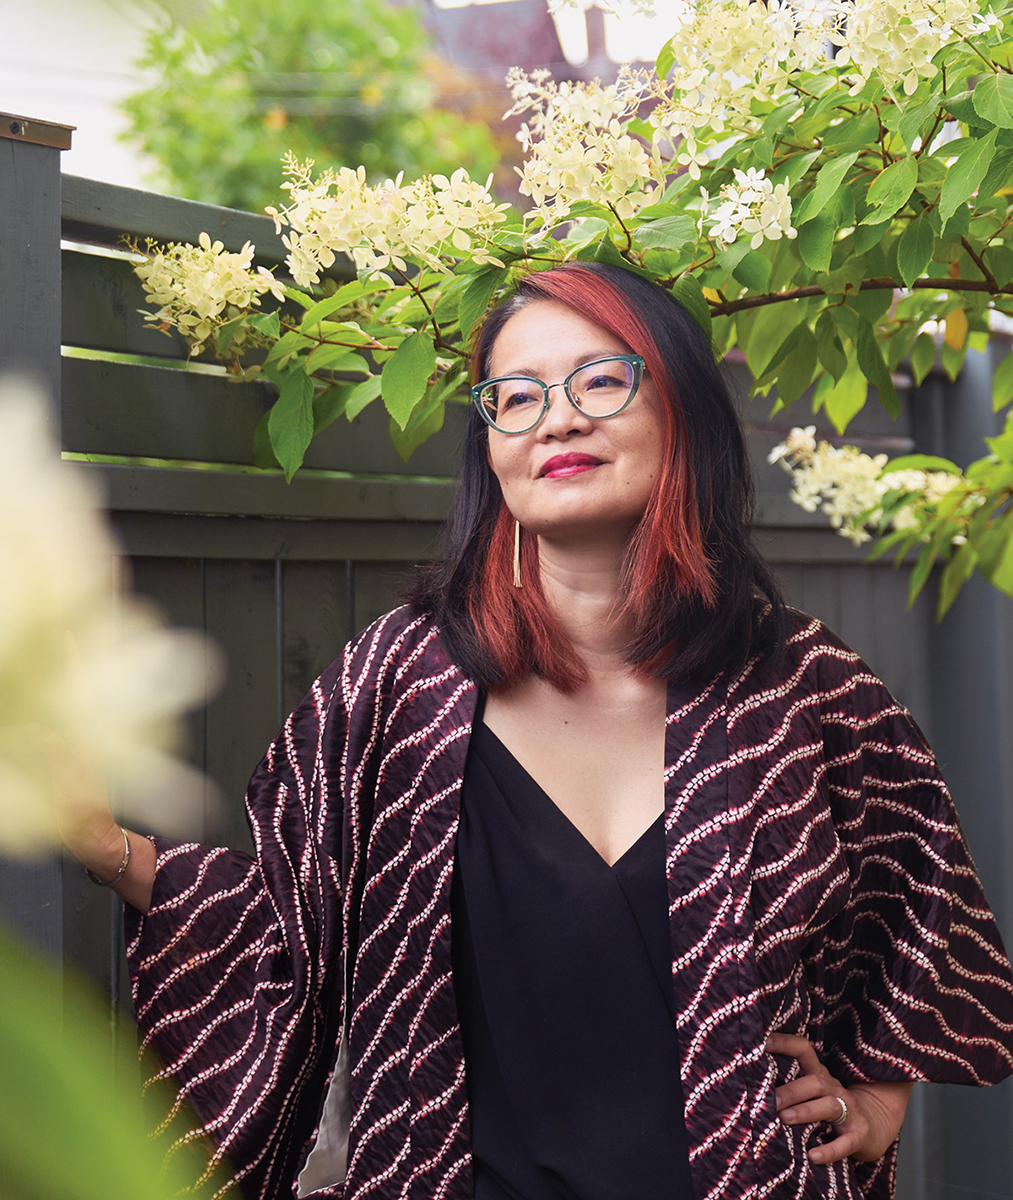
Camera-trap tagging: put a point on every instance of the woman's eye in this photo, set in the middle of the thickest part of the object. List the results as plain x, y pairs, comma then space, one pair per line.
513, 399
603, 381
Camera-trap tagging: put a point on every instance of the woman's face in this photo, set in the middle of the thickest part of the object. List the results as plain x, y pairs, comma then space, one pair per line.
573, 475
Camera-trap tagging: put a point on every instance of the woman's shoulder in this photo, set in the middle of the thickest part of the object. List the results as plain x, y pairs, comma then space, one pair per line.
812, 654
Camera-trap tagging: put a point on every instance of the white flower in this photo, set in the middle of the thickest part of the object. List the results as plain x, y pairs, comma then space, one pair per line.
754, 206
897, 39
196, 289
86, 675
384, 225
576, 146
849, 486
729, 53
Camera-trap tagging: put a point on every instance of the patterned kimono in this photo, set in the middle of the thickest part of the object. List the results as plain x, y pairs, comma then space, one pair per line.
818, 884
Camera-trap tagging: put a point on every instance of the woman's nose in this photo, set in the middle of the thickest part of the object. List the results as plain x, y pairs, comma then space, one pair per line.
562, 417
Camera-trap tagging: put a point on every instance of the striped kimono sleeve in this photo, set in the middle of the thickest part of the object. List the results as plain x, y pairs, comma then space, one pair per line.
229, 965
916, 983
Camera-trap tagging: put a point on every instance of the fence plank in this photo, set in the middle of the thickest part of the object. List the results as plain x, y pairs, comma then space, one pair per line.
145, 534
378, 588
316, 622
156, 412
101, 299
241, 722
103, 213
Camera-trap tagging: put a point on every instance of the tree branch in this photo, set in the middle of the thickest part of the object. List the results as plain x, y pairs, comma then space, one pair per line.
867, 285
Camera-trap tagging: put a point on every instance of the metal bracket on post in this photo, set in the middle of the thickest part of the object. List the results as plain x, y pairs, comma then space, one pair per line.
31, 897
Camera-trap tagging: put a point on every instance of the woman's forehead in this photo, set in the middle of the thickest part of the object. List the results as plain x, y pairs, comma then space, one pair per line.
546, 333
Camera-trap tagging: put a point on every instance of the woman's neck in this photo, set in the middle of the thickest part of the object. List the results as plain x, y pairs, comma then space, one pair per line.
582, 585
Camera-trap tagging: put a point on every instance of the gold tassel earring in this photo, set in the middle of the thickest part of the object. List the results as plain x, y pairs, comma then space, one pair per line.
517, 555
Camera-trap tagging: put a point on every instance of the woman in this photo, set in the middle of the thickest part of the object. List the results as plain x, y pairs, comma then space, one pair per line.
705, 954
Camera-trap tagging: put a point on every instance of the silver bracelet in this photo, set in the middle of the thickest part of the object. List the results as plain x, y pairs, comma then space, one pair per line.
123, 865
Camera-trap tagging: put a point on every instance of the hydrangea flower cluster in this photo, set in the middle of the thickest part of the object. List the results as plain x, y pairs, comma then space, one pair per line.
848, 485
382, 225
576, 147
89, 679
898, 39
730, 52
198, 288
753, 206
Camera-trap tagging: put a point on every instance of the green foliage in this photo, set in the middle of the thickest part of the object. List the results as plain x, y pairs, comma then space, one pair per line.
894, 221
344, 83
71, 1125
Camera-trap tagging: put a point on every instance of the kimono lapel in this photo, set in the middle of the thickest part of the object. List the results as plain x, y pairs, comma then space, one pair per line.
724, 1073
409, 1135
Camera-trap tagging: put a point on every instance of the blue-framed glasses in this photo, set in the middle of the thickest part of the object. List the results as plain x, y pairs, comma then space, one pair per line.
602, 388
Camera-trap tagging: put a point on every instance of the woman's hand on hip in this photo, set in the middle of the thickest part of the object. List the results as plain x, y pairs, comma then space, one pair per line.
875, 1111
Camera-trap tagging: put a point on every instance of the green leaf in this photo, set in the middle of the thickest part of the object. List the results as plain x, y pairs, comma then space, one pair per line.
999, 260
914, 249
891, 190
426, 420
223, 337
263, 453
362, 394
761, 333
919, 576
1002, 383
923, 356
329, 404
998, 175
952, 360
476, 297
297, 296
763, 152
993, 100
792, 366
829, 346
916, 117
668, 233
796, 372
775, 122
794, 167
753, 271
328, 357
956, 573
816, 240
665, 60
1002, 576
689, 293
290, 422
965, 175
828, 180
340, 299
269, 324
868, 236
870, 359
921, 462
585, 231
405, 375
846, 398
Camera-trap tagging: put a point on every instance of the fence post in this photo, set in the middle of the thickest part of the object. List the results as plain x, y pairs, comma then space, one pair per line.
971, 666
31, 897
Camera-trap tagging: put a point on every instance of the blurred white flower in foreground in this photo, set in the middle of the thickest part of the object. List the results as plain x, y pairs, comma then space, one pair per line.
90, 680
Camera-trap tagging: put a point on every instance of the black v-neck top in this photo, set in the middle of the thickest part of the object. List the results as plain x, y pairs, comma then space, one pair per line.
562, 973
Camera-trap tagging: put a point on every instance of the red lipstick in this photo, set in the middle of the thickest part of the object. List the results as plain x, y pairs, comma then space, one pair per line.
562, 466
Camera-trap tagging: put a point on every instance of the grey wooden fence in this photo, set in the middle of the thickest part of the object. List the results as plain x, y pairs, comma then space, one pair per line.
282, 575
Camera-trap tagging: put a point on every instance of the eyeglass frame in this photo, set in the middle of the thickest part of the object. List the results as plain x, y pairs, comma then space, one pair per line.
636, 361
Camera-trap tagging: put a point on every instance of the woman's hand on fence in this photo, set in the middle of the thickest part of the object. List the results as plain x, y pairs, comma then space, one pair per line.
875, 1111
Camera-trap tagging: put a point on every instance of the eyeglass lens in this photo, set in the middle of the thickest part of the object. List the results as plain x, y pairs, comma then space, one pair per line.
599, 389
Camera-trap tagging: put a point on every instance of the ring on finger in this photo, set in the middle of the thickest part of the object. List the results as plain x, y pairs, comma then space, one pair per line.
844, 1111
